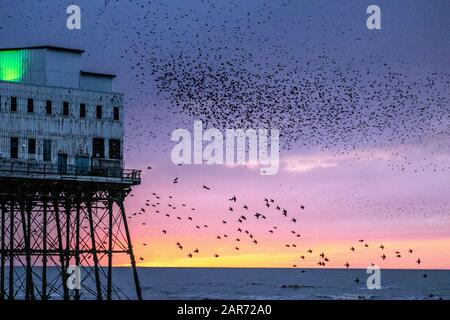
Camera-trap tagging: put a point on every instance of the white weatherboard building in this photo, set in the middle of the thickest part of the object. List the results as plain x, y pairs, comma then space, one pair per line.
56, 118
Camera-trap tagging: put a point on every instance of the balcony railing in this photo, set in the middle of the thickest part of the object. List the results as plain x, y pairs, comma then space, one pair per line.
32, 169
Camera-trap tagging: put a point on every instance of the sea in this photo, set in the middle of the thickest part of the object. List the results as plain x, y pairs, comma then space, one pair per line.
285, 284
262, 284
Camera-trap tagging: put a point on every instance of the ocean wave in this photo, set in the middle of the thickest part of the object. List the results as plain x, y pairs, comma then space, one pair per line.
348, 296
390, 288
298, 286
256, 284
146, 288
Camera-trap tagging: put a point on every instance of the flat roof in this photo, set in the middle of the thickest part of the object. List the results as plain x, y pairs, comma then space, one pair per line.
96, 74
44, 47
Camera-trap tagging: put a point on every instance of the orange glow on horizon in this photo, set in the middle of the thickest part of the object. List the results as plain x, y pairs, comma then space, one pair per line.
429, 251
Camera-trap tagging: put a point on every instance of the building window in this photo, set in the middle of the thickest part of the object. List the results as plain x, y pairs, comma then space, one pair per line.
65, 108
31, 146
114, 148
14, 148
62, 163
98, 148
99, 112
82, 110
30, 106
116, 113
48, 107
13, 104
47, 150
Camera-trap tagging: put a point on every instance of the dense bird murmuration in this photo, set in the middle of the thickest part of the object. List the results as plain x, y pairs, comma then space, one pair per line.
320, 104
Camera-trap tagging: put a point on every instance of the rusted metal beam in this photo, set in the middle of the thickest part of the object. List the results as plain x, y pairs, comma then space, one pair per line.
130, 250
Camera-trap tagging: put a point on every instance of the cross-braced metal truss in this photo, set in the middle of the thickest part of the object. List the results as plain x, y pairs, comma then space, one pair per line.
46, 228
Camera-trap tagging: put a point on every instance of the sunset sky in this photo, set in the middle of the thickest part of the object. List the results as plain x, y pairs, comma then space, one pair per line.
370, 193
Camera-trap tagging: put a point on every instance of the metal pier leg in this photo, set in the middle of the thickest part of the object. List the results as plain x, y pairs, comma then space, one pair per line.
94, 252
61, 251
68, 208
25, 241
2, 254
110, 248
77, 243
26, 228
130, 250
44, 250
11, 294
30, 246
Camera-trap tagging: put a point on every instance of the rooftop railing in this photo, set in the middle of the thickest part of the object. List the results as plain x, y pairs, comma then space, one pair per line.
50, 170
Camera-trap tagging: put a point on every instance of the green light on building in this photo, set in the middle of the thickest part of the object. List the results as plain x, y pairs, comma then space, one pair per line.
12, 65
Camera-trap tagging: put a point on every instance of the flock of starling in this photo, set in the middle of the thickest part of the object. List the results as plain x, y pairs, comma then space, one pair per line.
319, 104
227, 74
233, 228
